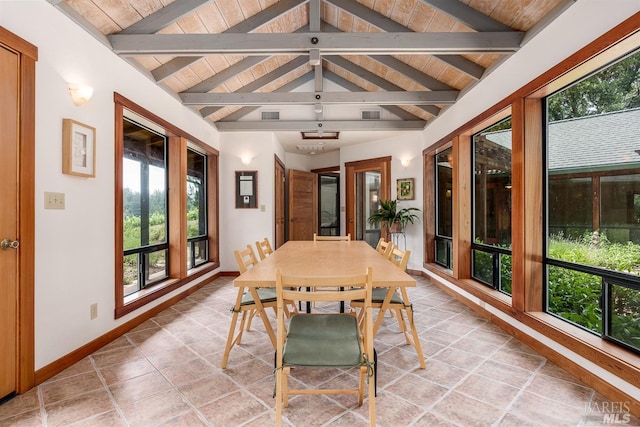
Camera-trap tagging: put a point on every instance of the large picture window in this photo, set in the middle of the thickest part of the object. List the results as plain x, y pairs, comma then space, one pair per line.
593, 202
163, 239
491, 247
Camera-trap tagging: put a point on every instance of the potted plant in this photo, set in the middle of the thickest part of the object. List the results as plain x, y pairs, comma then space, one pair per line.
393, 219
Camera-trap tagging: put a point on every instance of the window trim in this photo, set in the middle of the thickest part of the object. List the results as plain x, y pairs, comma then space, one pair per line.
179, 274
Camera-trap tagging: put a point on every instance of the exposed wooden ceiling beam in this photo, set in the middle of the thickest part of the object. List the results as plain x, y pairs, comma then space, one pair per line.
283, 70
328, 43
256, 21
346, 84
325, 126
467, 15
294, 84
310, 98
374, 79
164, 17
389, 25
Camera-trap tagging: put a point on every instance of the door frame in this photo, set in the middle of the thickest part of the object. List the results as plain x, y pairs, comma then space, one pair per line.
381, 164
25, 357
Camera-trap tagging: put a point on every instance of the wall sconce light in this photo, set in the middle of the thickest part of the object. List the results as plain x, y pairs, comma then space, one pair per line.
405, 163
80, 94
246, 160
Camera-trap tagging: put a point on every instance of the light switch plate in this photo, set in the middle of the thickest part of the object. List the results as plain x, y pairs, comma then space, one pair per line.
53, 200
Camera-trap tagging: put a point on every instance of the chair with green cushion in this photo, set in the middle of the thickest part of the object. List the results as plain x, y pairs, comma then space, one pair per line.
324, 340
397, 304
246, 259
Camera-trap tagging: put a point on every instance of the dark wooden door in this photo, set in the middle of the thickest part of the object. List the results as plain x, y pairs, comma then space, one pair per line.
279, 204
302, 205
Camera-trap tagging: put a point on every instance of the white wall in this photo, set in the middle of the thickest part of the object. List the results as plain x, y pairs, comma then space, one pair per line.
74, 250
241, 227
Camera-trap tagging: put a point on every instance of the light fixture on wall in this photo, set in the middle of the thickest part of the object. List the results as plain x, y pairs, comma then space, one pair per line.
80, 94
246, 160
405, 163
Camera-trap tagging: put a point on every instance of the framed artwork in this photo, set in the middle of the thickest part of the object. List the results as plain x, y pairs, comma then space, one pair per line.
78, 149
406, 189
246, 189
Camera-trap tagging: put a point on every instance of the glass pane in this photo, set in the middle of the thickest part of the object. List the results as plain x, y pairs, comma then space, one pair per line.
130, 281
505, 273
625, 315
575, 296
444, 186
483, 267
620, 208
144, 187
367, 201
199, 253
441, 253
196, 194
570, 207
156, 266
593, 205
492, 185
329, 205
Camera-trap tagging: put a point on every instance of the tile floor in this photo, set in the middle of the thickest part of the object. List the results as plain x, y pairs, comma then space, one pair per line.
166, 372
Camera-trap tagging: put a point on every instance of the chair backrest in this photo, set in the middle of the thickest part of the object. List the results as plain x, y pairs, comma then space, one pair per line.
317, 238
324, 288
400, 258
264, 248
384, 248
245, 259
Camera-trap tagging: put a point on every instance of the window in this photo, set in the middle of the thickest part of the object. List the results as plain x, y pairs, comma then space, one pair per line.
144, 184
197, 238
593, 228
164, 239
444, 208
491, 247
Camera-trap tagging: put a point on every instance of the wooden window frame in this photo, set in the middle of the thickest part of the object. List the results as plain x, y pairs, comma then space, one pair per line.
526, 304
179, 273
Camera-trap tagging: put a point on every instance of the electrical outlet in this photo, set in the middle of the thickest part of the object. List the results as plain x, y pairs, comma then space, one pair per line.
94, 311
53, 200
262, 208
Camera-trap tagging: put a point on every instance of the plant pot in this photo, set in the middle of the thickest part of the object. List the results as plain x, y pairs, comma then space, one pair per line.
396, 227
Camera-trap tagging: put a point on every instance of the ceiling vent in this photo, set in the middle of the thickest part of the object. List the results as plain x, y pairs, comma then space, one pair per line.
311, 148
370, 114
270, 115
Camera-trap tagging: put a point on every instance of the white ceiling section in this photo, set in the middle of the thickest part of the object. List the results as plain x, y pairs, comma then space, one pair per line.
320, 63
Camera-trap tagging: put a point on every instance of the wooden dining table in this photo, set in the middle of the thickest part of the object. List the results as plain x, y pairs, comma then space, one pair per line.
317, 259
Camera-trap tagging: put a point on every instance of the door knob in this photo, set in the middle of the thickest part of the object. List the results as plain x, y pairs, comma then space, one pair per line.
9, 244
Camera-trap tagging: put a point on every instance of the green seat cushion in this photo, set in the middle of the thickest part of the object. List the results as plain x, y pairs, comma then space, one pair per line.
320, 340
265, 294
379, 294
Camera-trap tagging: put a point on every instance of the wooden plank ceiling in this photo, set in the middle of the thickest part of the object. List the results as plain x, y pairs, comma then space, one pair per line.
409, 59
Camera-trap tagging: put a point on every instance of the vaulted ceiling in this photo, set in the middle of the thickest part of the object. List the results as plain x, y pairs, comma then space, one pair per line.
402, 60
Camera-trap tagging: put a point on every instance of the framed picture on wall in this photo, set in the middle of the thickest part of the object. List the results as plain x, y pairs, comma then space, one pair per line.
78, 149
246, 189
405, 189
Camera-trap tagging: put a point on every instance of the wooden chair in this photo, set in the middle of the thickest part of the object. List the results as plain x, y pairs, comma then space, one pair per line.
264, 248
246, 303
390, 299
317, 238
325, 340
384, 247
